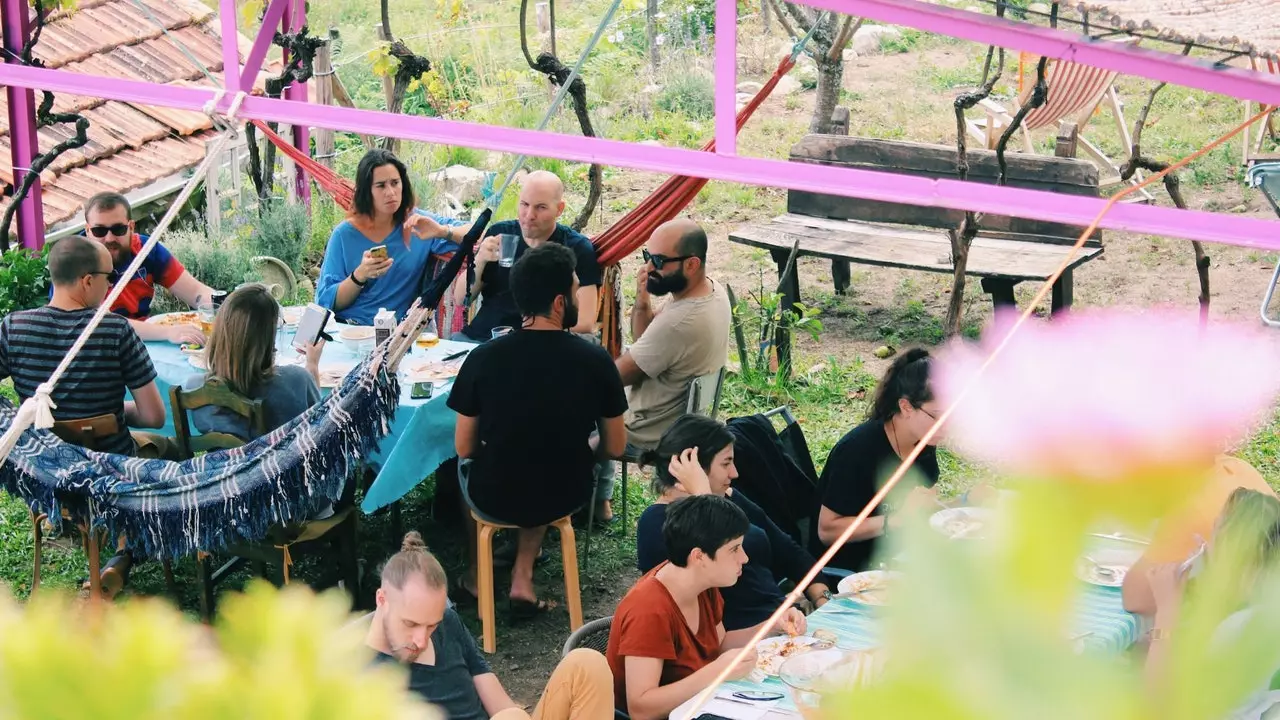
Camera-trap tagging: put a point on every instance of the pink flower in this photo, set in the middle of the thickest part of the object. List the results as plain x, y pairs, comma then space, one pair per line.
1108, 395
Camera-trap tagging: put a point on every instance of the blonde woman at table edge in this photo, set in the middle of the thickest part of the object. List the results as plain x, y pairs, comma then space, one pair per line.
242, 353
1246, 534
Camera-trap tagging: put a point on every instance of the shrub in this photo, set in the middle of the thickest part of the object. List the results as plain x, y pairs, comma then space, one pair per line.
219, 262
282, 231
24, 280
691, 94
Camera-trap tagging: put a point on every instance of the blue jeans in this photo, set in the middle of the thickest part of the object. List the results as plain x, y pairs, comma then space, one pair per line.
605, 472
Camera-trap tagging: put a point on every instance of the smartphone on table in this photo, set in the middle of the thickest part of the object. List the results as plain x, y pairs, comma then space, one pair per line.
421, 390
311, 326
379, 252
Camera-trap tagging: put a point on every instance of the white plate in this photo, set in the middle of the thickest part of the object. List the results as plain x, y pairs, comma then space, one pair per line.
963, 523
176, 318
1117, 561
197, 361
291, 315
871, 586
772, 652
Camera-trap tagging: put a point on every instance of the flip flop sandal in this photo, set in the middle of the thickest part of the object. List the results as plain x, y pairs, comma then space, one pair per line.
527, 610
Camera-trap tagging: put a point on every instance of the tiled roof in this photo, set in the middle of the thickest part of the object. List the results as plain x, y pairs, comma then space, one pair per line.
130, 145
1249, 26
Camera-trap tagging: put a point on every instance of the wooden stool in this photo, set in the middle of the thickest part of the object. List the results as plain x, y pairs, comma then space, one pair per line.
569, 552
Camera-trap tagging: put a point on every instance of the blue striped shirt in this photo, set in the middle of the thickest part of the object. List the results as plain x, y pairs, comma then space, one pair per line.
113, 359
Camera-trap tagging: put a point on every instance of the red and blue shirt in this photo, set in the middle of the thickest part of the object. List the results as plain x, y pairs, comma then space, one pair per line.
160, 267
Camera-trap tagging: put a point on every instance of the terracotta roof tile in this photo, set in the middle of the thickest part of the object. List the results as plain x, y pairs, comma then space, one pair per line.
129, 145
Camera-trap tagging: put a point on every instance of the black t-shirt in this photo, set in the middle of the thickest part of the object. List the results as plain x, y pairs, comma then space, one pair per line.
498, 307
539, 395
772, 556
855, 471
450, 683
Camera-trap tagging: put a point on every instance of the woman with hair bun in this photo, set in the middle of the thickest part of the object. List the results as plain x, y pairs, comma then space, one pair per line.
902, 411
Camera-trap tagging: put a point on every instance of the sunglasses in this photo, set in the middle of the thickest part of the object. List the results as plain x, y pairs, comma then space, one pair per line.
659, 260
119, 230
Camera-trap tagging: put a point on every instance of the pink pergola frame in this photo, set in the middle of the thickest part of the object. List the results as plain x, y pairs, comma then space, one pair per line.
724, 163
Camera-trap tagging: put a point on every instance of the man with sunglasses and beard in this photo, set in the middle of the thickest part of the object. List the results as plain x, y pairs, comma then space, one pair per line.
528, 404
684, 339
107, 221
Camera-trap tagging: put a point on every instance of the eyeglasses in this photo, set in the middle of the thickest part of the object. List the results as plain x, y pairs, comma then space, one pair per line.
659, 260
104, 273
119, 230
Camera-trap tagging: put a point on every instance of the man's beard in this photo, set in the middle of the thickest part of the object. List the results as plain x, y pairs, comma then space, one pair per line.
570, 318
120, 257
404, 653
658, 284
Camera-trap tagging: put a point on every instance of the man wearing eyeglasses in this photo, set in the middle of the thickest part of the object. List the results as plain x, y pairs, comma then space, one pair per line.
107, 220
686, 338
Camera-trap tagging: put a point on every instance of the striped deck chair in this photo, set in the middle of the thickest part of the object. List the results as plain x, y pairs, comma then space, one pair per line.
1075, 92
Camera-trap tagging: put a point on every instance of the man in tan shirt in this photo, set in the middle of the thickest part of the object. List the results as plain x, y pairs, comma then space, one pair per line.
685, 338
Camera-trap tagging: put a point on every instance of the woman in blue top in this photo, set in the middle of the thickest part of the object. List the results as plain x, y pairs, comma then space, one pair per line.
354, 283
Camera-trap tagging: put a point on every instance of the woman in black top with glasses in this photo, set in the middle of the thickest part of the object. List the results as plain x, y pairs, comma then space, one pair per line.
902, 411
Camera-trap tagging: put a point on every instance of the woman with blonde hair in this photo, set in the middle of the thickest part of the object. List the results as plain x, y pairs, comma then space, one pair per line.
242, 353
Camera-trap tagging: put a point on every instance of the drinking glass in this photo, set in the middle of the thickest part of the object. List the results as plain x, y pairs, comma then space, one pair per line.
507, 250
499, 332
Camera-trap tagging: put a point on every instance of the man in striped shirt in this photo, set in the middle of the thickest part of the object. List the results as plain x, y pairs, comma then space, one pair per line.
33, 342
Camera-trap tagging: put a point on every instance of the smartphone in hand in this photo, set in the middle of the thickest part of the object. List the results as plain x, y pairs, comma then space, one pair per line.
310, 326
378, 251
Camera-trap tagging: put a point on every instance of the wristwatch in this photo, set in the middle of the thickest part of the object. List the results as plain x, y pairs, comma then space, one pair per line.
356, 280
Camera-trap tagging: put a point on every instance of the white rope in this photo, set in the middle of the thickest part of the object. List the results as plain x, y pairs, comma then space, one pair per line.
38, 409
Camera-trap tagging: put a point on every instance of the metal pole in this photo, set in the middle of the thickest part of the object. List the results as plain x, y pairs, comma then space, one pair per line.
25, 145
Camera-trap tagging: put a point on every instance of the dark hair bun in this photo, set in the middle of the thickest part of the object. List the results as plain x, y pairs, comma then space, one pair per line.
413, 541
649, 458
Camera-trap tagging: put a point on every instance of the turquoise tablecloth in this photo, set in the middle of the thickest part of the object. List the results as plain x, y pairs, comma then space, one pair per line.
429, 423
1099, 609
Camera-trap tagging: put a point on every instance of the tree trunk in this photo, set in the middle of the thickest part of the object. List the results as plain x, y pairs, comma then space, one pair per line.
830, 77
651, 32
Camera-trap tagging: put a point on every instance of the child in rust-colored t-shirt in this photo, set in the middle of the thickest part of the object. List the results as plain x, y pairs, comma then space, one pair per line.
648, 623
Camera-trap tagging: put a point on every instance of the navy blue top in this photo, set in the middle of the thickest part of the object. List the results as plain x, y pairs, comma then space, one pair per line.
498, 307
772, 556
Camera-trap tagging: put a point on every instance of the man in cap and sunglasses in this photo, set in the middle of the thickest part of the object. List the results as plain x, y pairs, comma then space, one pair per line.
107, 221
685, 338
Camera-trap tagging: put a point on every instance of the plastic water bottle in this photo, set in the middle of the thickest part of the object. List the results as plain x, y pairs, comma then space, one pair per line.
384, 323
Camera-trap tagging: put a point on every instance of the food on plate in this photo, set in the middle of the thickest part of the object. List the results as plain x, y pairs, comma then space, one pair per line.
433, 371
190, 348
964, 526
869, 588
771, 653
825, 638
178, 318
963, 523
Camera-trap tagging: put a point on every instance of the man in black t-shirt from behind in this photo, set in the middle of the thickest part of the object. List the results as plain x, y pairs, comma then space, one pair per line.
528, 404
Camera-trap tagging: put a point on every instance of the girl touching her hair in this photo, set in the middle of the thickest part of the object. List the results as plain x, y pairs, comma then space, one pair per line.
695, 457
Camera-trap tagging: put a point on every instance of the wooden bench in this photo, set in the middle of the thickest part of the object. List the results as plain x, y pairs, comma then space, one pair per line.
1007, 250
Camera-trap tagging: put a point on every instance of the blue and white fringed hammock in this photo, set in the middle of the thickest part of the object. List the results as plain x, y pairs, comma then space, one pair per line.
172, 509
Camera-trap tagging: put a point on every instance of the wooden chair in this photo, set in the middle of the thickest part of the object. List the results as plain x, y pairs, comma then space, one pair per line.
485, 531
85, 432
276, 547
1075, 93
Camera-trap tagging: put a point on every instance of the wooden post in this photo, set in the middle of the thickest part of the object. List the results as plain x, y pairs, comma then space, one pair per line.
841, 270
324, 96
840, 121
212, 202
651, 32
1068, 139
289, 167
542, 11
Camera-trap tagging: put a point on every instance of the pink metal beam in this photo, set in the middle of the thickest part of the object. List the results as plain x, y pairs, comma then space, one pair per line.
24, 144
230, 48
1163, 221
298, 93
1121, 57
726, 87
262, 43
